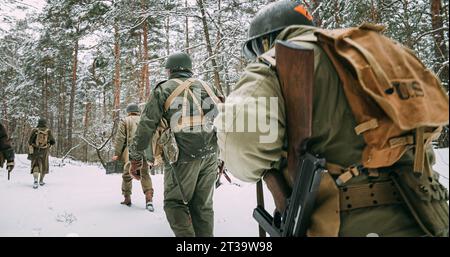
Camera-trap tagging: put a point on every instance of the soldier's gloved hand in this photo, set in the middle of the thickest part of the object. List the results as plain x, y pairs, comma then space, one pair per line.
10, 165
115, 158
135, 168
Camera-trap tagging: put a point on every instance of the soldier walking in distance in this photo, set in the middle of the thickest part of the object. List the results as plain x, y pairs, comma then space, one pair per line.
125, 134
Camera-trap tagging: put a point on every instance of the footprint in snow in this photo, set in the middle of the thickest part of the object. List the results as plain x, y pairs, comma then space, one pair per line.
66, 218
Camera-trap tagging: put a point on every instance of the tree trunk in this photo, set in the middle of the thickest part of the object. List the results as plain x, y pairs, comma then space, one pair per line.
61, 118
337, 19
441, 56
440, 48
408, 30
72, 92
186, 28
45, 94
62, 112
146, 82
209, 46
167, 35
116, 104
374, 15
86, 127
315, 12
5, 120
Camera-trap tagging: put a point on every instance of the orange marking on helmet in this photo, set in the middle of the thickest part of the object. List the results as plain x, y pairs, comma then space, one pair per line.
302, 10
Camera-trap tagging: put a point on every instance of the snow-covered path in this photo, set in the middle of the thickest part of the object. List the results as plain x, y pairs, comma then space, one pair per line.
81, 200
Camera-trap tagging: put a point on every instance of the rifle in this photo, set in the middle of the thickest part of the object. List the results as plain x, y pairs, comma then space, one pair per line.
295, 69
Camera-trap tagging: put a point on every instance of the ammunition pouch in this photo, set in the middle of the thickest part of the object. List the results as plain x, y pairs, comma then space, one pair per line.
425, 197
421, 193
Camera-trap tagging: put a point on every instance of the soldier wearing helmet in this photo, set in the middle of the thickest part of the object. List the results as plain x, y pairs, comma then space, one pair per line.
187, 104
124, 136
333, 136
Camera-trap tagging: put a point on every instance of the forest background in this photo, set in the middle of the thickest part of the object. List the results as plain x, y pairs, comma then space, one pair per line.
79, 63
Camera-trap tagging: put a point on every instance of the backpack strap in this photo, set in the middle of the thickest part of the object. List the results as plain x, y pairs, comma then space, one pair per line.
210, 92
187, 120
181, 87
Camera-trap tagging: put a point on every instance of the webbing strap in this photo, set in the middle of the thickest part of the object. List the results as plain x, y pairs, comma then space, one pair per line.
349, 173
345, 174
210, 92
186, 120
365, 126
181, 87
185, 104
410, 139
179, 81
419, 154
401, 141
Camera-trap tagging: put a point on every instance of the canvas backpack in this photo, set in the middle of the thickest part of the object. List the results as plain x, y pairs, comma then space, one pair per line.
397, 102
41, 138
163, 141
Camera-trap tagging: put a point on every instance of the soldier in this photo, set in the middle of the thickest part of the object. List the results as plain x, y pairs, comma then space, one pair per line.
40, 141
333, 135
6, 151
188, 182
124, 137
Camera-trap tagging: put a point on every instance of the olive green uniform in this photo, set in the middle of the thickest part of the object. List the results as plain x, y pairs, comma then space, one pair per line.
333, 138
196, 167
40, 156
125, 133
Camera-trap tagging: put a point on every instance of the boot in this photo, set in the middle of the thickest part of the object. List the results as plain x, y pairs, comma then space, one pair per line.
41, 180
36, 178
127, 201
149, 200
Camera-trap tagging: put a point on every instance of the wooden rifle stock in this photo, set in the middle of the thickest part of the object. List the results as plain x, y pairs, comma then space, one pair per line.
295, 69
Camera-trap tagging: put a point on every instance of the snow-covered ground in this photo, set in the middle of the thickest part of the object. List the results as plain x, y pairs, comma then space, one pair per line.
81, 200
